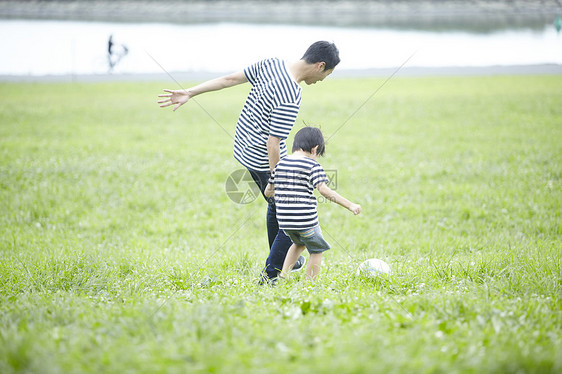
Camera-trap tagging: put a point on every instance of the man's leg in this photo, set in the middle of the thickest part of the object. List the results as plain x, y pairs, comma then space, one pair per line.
277, 253
271, 223
261, 178
279, 242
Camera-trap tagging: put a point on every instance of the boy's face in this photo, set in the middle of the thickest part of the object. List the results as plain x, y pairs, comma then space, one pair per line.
318, 73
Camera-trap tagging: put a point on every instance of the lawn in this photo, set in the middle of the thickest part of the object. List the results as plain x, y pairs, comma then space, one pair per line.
121, 251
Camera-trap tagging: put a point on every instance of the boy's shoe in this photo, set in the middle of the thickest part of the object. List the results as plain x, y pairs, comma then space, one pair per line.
299, 265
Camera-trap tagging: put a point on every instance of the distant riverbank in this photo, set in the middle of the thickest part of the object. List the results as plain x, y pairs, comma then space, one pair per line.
63, 42
546, 69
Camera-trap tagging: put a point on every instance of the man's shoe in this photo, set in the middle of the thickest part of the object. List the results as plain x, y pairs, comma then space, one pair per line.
264, 279
299, 265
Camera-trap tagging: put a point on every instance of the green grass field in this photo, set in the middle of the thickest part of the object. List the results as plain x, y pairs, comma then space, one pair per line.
121, 252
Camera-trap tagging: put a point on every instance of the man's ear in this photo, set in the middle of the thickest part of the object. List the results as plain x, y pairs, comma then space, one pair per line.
321, 65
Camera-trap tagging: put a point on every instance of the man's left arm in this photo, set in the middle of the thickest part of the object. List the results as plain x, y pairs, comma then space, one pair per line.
273, 151
282, 119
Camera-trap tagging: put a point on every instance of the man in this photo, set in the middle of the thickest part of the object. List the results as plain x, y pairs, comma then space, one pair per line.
267, 118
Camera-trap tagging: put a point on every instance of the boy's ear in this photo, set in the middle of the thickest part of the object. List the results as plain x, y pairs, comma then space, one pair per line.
314, 150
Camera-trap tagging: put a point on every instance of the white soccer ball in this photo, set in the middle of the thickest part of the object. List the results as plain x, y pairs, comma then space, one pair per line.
373, 267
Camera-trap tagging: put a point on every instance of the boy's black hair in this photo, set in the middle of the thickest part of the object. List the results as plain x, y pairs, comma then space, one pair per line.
322, 51
307, 138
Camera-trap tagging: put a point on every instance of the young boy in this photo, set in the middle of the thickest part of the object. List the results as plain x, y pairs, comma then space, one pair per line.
292, 183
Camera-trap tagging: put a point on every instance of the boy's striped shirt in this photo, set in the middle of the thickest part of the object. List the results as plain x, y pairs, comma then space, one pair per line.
271, 108
294, 179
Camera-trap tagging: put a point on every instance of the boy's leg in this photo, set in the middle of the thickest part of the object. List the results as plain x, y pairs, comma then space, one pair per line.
292, 256
313, 268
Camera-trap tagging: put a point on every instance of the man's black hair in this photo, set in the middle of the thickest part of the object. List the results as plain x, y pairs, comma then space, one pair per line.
322, 51
307, 138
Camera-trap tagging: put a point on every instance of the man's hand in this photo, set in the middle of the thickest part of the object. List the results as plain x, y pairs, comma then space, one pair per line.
269, 190
174, 97
180, 97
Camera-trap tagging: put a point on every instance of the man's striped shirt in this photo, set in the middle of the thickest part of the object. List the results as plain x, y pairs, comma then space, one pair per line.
271, 108
294, 179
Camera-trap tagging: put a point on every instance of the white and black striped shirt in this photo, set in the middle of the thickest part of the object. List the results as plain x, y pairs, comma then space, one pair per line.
271, 108
294, 179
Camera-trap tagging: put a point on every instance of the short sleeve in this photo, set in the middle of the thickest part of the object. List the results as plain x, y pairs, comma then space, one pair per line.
252, 72
317, 175
283, 118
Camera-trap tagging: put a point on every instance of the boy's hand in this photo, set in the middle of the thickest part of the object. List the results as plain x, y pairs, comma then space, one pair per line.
355, 208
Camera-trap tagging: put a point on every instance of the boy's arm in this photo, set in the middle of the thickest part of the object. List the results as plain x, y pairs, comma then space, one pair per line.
332, 195
180, 97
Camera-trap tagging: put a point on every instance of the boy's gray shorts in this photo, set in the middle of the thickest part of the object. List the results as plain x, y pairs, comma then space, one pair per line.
311, 238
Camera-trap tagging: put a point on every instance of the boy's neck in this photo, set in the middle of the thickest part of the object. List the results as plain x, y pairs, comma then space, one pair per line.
301, 153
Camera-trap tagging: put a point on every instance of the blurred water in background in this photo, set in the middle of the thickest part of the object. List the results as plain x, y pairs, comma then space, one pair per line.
47, 47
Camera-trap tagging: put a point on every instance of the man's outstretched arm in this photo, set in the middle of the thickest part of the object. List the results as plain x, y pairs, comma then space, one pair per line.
180, 97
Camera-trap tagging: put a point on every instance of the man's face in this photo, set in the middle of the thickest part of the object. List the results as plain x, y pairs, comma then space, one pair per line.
318, 74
